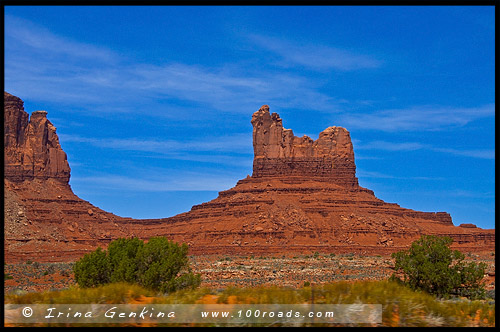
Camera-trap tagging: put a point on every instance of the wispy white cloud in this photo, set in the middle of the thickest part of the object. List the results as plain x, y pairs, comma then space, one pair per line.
212, 88
427, 118
414, 146
479, 153
38, 38
219, 88
233, 160
378, 175
314, 56
238, 143
141, 178
181, 182
389, 146
48, 67
222, 149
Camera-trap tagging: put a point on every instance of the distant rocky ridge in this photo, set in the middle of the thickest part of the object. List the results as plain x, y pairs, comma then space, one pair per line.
303, 196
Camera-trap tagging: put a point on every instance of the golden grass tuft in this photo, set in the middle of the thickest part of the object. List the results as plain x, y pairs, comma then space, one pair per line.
401, 306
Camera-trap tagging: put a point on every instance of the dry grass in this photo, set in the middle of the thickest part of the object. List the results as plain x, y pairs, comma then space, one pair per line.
401, 306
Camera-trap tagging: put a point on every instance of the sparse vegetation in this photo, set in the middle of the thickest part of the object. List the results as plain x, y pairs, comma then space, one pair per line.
431, 266
279, 280
348, 278
401, 306
111, 293
159, 264
92, 269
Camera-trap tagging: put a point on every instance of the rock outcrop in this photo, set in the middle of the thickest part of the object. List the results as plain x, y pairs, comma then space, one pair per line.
278, 153
303, 196
43, 219
31, 146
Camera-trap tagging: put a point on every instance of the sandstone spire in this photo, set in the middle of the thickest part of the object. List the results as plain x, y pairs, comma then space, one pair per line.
31, 145
44, 220
278, 153
303, 196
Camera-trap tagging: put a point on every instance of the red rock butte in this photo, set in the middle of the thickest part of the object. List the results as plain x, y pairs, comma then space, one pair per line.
280, 154
303, 196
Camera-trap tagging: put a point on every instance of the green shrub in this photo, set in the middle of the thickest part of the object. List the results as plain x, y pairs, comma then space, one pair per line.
123, 262
430, 265
159, 265
92, 269
159, 262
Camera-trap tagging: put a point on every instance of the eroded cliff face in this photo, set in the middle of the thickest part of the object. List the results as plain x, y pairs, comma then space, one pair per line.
303, 196
278, 153
31, 146
43, 219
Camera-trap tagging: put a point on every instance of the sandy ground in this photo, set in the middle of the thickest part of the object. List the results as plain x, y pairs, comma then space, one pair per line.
243, 271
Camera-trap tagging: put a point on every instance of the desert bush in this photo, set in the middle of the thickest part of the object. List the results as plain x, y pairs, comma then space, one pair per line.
123, 262
431, 266
159, 265
92, 269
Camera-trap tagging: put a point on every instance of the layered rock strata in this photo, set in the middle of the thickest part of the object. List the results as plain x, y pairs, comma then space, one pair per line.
43, 219
262, 216
303, 196
31, 145
278, 153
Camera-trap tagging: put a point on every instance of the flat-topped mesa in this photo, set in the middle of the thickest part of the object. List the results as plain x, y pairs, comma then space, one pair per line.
31, 145
278, 153
303, 197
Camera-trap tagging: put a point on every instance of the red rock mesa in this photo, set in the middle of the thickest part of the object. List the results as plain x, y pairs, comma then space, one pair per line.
303, 196
44, 219
278, 153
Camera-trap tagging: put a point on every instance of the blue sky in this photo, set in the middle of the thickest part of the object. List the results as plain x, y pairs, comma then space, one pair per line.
153, 104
